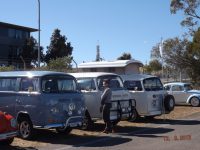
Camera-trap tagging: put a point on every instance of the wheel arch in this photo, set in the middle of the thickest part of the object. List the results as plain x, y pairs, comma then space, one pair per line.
23, 114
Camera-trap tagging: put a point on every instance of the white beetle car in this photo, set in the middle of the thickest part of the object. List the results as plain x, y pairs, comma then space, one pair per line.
183, 93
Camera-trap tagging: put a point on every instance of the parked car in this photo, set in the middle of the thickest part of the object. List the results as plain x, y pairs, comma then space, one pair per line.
91, 85
183, 93
147, 90
42, 99
8, 128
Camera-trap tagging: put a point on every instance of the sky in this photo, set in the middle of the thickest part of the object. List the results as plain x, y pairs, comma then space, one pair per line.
117, 26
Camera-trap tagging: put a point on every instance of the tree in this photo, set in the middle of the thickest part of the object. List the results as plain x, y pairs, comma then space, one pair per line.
29, 53
193, 57
190, 9
155, 65
60, 64
125, 56
58, 47
174, 51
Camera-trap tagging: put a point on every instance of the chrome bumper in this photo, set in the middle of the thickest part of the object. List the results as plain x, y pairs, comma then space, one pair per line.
4, 136
75, 121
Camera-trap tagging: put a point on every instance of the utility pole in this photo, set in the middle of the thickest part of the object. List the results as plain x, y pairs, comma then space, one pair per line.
38, 33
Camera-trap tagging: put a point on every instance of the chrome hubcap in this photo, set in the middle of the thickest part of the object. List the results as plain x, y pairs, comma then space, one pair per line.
194, 101
24, 129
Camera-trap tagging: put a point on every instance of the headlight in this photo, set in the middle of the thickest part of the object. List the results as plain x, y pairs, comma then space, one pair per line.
114, 105
124, 104
55, 110
13, 123
79, 112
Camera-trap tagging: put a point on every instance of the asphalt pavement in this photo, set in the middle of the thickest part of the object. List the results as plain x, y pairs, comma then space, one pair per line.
182, 134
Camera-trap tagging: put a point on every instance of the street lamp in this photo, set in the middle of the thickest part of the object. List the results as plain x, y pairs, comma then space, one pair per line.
38, 33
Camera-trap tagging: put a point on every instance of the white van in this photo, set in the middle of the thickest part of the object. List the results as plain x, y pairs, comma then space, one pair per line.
91, 85
152, 100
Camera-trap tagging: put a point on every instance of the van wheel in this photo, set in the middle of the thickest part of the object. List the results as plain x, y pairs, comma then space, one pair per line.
195, 102
25, 128
169, 103
115, 122
150, 117
133, 116
7, 141
64, 130
87, 123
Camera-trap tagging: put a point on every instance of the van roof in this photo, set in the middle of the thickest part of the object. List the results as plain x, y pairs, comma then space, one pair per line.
28, 73
136, 76
90, 74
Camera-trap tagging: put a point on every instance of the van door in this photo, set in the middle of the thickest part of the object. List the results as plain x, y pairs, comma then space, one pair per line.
27, 99
92, 96
154, 90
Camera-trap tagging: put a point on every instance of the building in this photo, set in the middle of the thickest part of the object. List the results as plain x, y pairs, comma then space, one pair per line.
118, 66
12, 39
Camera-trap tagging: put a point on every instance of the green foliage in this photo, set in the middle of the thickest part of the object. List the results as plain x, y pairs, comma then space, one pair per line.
155, 65
58, 47
193, 56
125, 56
190, 9
4, 68
60, 64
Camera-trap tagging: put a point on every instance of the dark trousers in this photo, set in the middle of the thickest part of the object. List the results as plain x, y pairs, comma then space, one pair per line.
106, 116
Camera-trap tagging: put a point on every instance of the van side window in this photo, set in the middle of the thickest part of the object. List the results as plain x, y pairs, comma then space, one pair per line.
133, 85
152, 84
86, 84
58, 84
29, 84
8, 84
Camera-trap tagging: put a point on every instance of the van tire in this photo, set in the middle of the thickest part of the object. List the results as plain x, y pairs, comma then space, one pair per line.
115, 122
87, 123
169, 103
26, 130
134, 116
66, 130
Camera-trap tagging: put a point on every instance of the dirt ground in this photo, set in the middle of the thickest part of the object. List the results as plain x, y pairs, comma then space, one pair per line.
45, 136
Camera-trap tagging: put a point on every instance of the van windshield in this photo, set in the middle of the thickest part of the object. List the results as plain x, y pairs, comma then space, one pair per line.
58, 84
152, 84
115, 82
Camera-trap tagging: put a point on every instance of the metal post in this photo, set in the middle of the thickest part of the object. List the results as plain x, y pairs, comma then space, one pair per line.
38, 33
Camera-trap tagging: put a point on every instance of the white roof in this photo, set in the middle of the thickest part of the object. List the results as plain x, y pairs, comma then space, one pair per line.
104, 64
90, 74
136, 76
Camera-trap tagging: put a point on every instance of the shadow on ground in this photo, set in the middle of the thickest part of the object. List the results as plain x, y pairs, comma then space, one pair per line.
10, 147
94, 137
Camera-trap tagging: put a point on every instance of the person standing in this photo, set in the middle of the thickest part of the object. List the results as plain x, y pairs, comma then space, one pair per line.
106, 105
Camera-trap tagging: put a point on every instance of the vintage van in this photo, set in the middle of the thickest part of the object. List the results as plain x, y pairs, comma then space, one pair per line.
151, 98
41, 99
91, 84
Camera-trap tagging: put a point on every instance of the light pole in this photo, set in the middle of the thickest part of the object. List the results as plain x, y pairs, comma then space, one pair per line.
38, 33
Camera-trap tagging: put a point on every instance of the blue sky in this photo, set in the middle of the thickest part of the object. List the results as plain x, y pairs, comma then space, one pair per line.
118, 26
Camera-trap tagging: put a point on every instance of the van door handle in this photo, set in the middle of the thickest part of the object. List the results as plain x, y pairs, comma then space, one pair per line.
154, 96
